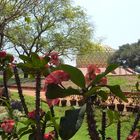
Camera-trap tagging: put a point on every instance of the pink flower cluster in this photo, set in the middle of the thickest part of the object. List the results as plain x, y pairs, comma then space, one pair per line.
8, 125
57, 77
4, 55
32, 114
134, 136
92, 72
54, 58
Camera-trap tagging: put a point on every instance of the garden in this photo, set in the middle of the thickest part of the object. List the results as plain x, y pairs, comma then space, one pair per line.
106, 112
42, 97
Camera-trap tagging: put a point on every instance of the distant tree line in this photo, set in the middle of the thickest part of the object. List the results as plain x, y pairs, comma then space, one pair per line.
128, 55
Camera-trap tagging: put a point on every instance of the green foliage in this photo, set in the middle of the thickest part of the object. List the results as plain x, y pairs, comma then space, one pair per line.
100, 76
34, 64
9, 73
116, 90
51, 25
37, 121
68, 128
137, 86
55, 91
112, 115
74, 74
127, 55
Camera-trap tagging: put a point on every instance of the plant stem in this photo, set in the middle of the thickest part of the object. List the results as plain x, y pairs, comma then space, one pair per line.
5, 84
53, 115
135, 122
119, 130
94, 135
103, 125
44, 126
37, 105
20, 90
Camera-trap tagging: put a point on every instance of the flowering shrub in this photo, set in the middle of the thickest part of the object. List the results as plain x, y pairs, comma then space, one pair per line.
32, 114
89, 87
92, 72
8, 126
57, 77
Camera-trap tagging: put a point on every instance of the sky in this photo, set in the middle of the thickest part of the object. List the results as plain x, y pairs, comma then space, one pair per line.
116, 22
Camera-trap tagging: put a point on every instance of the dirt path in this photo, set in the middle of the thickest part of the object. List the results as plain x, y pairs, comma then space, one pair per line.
29, 93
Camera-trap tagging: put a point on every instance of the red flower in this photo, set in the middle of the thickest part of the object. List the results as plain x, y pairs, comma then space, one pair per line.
92, 72
90, 77
56, 77
93, 69
54, 58
49, 136
2, 54
8, 126
103, 81
32, 114
135, 136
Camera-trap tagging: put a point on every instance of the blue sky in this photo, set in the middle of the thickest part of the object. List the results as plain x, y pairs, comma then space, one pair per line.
115, 21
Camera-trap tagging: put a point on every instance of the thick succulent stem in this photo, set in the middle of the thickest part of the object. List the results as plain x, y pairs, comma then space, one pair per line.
135, 122
119, 130
20, 90
37, 105
103, 125
93, 133
5, 85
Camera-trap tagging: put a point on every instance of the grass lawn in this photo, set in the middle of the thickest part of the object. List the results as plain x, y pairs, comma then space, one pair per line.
127, 82
82, 134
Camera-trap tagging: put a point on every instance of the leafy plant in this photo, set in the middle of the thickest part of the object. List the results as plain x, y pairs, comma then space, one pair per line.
90, 88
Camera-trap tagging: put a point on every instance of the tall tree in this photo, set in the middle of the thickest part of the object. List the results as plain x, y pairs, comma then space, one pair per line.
127, 55
51, 25
11, 10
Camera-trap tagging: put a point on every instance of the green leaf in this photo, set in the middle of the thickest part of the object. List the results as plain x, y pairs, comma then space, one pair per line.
53, 119
9, 73
137, 86
111, 68
76, 75
116, 90
102, 94
29, 131
25, 58
35, 60
28, 19
116, 115
112, 116
71, 123
23, 129
55, 91
92, 91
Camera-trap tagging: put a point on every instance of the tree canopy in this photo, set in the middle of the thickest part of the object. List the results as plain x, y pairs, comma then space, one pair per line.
128, 55
50, 25
10, 11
